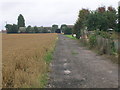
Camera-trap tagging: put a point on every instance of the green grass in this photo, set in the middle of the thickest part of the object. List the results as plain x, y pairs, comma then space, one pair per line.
70, 36
44, 77
43, 80
74, 53
48, 57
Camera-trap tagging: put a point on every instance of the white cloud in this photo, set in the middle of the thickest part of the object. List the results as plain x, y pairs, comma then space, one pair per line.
47, 12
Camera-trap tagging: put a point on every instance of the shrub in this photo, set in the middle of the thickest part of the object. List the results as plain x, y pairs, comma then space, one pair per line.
68, 31
92, 40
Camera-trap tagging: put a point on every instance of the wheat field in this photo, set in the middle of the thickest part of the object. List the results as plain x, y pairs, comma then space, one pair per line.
23, 61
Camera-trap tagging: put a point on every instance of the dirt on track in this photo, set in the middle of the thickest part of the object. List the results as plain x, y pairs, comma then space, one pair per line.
74, 66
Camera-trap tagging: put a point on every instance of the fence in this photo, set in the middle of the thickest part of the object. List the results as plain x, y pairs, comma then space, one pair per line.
104, 45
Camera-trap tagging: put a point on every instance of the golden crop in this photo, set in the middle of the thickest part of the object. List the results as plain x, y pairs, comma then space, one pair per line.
23, 55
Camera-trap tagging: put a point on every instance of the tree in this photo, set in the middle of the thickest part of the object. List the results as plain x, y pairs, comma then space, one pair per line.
28, 29
101, 9
21, 21
92, 21
81, 22
111, 17
45, 30
36, 29
102, 19
102, 23
54, 28
119, 19
106, 18
68, 30
63, 27
14, 28
11, 28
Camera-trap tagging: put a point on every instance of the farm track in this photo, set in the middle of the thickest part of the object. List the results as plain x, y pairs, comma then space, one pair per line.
76, 67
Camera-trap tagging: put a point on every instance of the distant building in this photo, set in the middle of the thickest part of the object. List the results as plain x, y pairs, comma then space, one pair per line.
22, 30
3, 31
48, 29
70, 26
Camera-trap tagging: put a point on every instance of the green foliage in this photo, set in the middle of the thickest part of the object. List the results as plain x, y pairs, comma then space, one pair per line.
48, 57
63, 27
14, 28
92, 40
43, 80
36, 29
45, 30
103, 34
81, 22
101, 19
91, 21
119, 19
74, 53
113, 50
21, 21
54, 28
70, 36
28, 29
101, 22
11, 28
67, 30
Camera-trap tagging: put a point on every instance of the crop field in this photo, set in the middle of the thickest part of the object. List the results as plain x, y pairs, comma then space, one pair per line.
23, 56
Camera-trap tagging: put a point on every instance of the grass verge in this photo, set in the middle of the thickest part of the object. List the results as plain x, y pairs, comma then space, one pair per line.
48, 58
74, 53
70, 36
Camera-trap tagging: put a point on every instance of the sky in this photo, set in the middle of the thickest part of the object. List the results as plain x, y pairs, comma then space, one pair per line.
47, 12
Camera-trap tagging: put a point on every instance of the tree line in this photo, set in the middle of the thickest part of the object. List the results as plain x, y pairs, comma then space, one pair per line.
101, 19
14, 28
21, 28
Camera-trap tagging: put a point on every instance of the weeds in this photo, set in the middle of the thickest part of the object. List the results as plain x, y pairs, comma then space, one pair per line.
48, 57
74, 53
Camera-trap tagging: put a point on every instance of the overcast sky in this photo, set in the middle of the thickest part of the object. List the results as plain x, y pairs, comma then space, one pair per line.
47, 12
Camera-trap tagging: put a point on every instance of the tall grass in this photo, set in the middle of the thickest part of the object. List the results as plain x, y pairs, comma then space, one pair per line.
23, 59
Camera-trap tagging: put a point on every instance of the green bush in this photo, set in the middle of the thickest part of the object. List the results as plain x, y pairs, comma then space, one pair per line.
92, 40
103, 34
12, 28
68, 31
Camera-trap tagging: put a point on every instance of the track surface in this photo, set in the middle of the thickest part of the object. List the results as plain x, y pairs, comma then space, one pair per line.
76, 67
